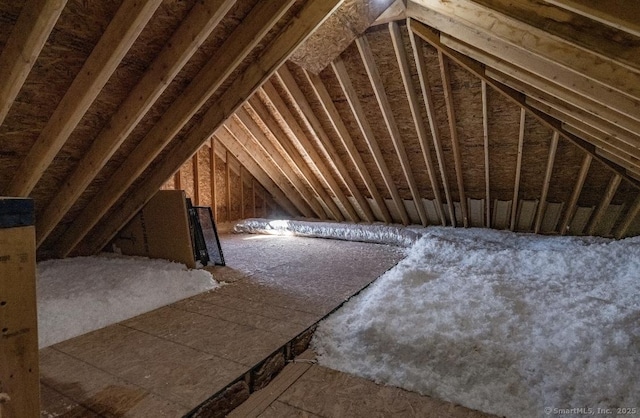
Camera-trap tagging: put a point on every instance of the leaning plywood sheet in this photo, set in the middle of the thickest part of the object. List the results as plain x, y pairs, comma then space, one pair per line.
160, 230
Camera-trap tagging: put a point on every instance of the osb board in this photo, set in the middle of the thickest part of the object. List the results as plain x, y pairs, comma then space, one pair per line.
350, 20
386, 60
333, 87
441, 117
595, 185
565, 172
504, 125
204, 175
373, 115
160, 230
71, 41
467, 98
535, 154
319, 112
186, 178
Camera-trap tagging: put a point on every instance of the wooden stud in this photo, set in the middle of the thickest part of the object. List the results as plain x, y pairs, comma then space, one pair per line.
387, 114
177, 180
577, 189
547, 179
227, 58
228, 141
36, 20
516, 186
228, 185
414, 105
604, 203
356, 107
457, 158
193, 31
130, 19
287, 160
299, 137
253, 197
212, 176
314, 126
347, 142
196, 182
241, 194
425, 87
630, 217
485, 134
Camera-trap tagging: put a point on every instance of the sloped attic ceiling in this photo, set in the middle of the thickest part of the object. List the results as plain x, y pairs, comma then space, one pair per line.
488, 122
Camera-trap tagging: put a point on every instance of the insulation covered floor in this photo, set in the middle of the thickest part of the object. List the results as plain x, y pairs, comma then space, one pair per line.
168, 361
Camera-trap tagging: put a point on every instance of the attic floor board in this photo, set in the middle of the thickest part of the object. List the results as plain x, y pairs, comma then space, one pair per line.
168, 361
321, 392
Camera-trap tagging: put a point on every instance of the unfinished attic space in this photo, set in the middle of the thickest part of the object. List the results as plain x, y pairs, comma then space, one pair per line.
319, 208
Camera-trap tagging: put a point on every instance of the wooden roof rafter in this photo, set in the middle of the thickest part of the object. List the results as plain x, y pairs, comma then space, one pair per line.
305, 22
123, 30
324, 175
36, 20
347, 141
193, 31
228, 57
315, 127
356, 107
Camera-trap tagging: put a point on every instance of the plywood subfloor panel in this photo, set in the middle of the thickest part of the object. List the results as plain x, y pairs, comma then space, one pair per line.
168, 361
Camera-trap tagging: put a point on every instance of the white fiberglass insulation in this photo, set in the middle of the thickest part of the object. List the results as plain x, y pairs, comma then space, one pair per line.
78, 295
505, 323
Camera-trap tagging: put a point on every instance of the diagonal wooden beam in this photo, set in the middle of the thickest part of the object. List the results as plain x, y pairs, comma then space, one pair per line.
455, 145
300, 139
298, 28
516, 186
604, 204
631, 215
314, 126
577, 189
425, 87
356, 107
284, 154
130, 19
193, 31
620, 14
414, 105
286, 168
36, 20
547, 179
347, 142
433, 38
245, 157
392, 127
227, 58
485, 135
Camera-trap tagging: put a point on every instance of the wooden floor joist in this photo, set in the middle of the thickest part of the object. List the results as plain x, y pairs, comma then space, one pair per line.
356, 107
130, 19
185, 41
347, 142
322, 139
394, 133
